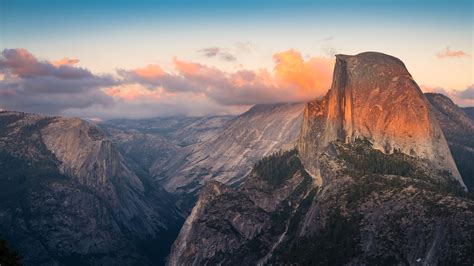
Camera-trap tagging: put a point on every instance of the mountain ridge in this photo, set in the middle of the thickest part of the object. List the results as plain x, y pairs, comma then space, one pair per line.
69, 197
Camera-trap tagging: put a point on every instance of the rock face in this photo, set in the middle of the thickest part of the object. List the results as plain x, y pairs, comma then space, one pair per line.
366, 185
459, 131
229, 155
373, 96
148, 153
69, 197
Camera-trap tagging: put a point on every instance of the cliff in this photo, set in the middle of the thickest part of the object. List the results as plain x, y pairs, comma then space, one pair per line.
374, 97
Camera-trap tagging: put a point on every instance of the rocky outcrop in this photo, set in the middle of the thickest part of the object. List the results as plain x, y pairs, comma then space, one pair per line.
459, 131
68, 196
373, 96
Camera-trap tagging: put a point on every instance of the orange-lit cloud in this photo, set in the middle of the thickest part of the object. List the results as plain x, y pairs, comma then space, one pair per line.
447, 53
65, 62
150, 72
292, 79
194, 69
309, 77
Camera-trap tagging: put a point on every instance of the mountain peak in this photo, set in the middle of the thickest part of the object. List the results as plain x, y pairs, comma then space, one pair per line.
371, 58
374, 97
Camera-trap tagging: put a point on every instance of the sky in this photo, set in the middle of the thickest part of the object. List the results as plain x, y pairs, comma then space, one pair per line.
135, 59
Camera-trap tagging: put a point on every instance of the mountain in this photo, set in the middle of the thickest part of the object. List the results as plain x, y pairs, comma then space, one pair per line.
373, 96
469, 112
219, 148
228, 156
371, 181
69, 197
159, 146
459, 131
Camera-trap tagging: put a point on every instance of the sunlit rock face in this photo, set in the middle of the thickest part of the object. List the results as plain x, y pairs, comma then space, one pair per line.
373, 96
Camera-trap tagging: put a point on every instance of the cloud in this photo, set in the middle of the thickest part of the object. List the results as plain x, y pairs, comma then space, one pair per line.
217, 52
467, 94
154, 77
227, 57
65, 61
185, 103
292, 79
149, 72
447, 53
22, 63
189, 88
42, 86
210, 51
245, 47
309, 77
